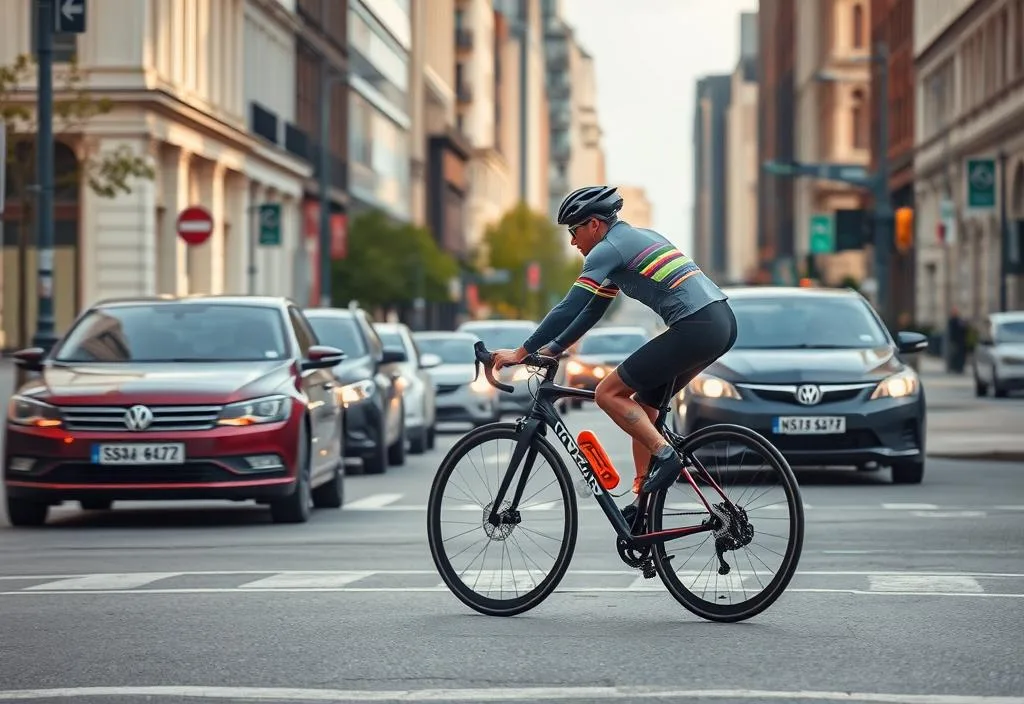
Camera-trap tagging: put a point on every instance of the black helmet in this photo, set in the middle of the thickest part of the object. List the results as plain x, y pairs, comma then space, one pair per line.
601, 202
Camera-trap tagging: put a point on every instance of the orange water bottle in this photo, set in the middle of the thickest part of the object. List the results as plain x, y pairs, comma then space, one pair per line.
598, 459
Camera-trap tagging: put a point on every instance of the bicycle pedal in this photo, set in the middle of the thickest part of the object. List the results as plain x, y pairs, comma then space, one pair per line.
648, 571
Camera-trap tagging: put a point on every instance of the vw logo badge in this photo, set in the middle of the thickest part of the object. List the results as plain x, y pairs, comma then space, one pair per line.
808, 394
138, 418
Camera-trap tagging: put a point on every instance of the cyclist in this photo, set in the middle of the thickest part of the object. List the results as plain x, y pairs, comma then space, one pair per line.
647, 267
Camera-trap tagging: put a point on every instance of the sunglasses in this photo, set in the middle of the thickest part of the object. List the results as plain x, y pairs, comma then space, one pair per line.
572, 230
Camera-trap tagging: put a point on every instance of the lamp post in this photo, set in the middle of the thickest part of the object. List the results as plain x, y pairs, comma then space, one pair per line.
327, 80
45, 335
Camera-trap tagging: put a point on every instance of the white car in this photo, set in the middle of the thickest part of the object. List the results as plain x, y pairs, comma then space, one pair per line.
999, 354
416, 384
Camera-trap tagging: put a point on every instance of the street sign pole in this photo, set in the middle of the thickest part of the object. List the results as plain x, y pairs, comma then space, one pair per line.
1004, 240
883, 196
45, 335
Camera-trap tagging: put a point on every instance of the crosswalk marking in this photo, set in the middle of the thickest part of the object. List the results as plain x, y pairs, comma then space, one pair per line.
306, 580
910, 507
103, 582
373, 501
924, 583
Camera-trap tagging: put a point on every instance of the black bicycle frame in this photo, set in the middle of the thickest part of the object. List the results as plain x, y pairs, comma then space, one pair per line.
543, 415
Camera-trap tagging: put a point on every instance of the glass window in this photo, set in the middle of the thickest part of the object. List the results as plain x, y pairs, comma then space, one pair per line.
610, 344
1010, 332
342, 333
805, 322
381, 57
173, 332
379, 151
451, 350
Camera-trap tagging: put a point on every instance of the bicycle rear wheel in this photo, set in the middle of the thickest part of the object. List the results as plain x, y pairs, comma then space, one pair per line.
769, 511
461, 498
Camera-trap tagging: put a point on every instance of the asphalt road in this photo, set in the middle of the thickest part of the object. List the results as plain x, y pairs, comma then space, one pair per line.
902, 592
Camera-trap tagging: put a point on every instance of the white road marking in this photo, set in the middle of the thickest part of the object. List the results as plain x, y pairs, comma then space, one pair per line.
587, 505
495, 695
949, 514
306, 580
910, 507
104, 582
372, 502
918, 583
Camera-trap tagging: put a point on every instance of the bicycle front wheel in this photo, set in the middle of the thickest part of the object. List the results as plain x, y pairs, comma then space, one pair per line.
510, 568
741, 566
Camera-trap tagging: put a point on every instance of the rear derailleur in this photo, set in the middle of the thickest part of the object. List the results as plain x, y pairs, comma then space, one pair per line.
732, 530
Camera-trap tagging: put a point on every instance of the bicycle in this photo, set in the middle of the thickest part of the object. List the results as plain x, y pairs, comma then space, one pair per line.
642, 544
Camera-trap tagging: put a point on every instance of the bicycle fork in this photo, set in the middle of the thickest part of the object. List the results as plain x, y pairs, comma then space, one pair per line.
524, 448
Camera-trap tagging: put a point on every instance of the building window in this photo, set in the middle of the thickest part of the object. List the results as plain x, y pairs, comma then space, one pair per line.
858, 27
858, 116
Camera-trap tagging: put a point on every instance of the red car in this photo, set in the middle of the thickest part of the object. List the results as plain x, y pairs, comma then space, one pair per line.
178, 398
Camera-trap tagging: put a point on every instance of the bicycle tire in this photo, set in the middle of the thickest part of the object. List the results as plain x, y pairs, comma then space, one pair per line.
731, 613
477, 602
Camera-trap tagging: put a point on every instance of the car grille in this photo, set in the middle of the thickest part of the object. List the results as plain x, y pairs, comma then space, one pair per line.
110, 419
188, 473
448, 388
786, 393
850, 440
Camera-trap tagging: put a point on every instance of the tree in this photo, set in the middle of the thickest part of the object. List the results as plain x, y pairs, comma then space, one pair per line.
391, 263
519, 238
107, 174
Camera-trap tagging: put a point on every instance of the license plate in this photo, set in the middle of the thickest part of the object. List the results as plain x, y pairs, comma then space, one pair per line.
139, 453
809, 425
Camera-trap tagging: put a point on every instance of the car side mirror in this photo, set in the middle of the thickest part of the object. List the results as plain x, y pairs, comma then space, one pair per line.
429, 361
393, 356
910, 342
30, 359
322, 357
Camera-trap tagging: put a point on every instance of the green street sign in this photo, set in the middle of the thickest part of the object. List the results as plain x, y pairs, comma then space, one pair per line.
270, 224
823, 234
981, 184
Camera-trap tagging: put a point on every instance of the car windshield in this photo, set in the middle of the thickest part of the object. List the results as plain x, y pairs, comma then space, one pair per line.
176, 332
1010, 331
451, 350
501, 337
805, 322
392, 339
613, 344
339, 332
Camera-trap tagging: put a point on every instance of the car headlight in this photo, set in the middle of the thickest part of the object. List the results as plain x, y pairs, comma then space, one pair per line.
355, 392
28, 411
269, 409
709, 386
899, 385
574, 367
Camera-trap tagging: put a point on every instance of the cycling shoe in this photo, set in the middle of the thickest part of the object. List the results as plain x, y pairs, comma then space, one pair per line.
665, 470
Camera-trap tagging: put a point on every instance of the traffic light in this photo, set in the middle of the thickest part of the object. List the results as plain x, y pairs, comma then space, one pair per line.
904, 229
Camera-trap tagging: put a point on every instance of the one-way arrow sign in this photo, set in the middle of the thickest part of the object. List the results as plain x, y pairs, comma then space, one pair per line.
69, 17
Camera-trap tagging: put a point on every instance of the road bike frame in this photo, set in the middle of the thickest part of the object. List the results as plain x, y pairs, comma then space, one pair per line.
543, 415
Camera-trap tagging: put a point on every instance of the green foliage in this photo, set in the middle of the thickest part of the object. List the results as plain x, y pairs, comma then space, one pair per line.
391, 263
107, 174
520, 237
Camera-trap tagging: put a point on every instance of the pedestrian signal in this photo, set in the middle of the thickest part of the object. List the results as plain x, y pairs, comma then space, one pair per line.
904, 229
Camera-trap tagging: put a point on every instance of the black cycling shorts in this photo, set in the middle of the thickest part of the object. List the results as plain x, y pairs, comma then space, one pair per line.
680, 353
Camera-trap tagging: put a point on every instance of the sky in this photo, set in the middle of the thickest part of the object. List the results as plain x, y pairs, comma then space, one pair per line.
648, 55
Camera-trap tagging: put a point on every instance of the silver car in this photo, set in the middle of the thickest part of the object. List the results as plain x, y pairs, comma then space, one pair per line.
458, 397
416, 384
999, 355
510, 334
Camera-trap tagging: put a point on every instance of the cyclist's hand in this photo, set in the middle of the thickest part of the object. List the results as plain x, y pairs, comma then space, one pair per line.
503, 358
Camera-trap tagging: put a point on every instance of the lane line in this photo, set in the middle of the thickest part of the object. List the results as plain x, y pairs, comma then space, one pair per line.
374, 501
910, 507
101, 582
494, 694
915, 583
563, 590
306, 580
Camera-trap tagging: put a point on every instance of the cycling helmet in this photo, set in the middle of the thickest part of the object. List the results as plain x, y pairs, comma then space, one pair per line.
601, 202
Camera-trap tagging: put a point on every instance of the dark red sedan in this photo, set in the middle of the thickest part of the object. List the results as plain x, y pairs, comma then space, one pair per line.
178, 398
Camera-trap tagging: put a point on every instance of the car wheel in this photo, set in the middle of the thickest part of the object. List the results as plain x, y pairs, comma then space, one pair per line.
418, 442
998, 390
431, 437
980, 387
297, 506
908, 472
377, 461
331, 494
577, 404
96, 504
396, 453
26, 513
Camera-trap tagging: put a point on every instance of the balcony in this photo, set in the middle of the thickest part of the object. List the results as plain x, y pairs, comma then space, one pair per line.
464, 39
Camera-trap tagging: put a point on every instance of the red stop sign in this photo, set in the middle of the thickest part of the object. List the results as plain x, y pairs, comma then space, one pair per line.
195, 224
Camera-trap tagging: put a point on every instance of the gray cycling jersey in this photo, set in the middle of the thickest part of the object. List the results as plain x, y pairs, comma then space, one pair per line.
643, 265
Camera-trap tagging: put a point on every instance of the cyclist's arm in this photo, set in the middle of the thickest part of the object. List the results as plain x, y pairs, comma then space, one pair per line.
592, 313
603, 259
